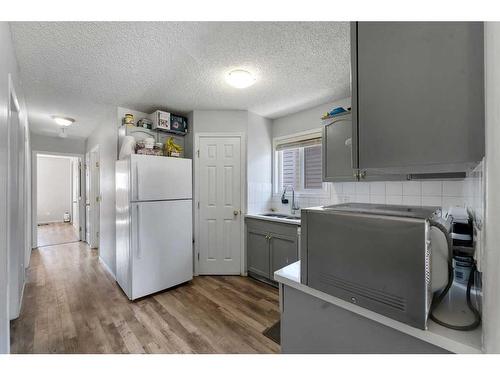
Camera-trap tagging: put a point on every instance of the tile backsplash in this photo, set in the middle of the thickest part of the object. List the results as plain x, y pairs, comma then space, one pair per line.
259, 197
467, 193
443, 193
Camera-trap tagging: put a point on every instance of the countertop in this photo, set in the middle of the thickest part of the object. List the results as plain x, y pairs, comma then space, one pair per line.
275, 219
454, 341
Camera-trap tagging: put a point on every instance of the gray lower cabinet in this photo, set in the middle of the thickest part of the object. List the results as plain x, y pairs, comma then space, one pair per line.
270, 246
258, 251
283, 251
310, 325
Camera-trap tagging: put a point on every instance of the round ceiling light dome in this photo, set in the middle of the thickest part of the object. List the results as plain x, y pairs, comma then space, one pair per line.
63, 121
240, 78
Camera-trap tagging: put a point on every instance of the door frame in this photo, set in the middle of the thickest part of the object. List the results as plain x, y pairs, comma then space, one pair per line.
86, 167
243, 193
34, 192
95, 196
79, 197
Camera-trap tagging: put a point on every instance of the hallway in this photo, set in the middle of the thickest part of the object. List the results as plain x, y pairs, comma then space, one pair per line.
56, 233
73, 305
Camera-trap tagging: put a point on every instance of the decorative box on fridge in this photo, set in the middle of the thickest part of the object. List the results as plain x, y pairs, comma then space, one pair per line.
178, 124
169, 122
161, 120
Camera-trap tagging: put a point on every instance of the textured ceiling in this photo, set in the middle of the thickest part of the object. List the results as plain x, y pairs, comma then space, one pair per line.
79, 69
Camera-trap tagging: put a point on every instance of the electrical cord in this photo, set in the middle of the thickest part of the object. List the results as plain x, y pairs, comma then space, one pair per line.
437, 300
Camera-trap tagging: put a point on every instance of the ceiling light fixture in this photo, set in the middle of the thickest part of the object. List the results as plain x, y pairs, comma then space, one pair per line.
62, 132
63, 121
240, 78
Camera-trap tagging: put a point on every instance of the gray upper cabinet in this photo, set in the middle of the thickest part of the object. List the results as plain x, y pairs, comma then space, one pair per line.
418, 96
337, 149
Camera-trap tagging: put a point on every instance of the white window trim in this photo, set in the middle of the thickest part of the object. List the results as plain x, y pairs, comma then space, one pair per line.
317, 193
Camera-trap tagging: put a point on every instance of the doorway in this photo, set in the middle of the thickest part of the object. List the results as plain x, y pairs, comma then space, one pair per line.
58, 212
220, 195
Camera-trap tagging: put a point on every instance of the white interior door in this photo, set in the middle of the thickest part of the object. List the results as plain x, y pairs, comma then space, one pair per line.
15, 201
75, 195
27, 200
219, 179
87, 198
95, 197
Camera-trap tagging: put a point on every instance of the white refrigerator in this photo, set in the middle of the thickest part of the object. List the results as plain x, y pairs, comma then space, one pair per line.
153, 224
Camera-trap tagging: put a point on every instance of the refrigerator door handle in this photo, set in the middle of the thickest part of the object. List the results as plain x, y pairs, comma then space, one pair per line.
136, 181
138, 232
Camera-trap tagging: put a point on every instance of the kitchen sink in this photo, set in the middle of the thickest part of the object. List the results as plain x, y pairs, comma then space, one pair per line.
282, 216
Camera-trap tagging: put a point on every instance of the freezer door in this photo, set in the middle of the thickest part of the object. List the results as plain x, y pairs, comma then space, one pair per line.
160, 178
162, 245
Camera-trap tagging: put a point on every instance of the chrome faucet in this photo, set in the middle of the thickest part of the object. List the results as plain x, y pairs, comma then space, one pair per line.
294, 207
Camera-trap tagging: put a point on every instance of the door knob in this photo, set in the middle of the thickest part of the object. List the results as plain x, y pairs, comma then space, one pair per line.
235, 212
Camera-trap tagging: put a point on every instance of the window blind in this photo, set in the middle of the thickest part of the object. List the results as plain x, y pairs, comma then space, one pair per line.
291, 168
313, 178
293, 144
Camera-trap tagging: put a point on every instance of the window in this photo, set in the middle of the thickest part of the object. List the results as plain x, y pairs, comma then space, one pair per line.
298, 164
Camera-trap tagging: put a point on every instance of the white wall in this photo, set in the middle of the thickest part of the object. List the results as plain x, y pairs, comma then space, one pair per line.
8, 65
491, 279
259, 166
307, 119
53, 188
46, 143
106, 136
220, 121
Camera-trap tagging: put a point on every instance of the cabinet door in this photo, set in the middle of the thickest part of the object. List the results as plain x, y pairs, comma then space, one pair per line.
337, 150
258, 252
418, 94
284, 251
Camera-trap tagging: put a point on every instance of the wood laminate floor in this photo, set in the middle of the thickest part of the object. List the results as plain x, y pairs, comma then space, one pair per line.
73, 305
56, 233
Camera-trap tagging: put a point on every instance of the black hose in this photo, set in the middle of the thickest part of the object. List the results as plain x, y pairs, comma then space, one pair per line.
437, 300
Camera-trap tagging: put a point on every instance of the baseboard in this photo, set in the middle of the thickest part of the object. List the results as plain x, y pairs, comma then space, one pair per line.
17, 313
50, 222
106, 267
21, 298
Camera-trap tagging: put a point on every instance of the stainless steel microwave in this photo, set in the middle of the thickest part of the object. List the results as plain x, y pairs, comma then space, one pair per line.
387, 259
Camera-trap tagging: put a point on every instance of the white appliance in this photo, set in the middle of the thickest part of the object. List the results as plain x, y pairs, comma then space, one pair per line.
153, 224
